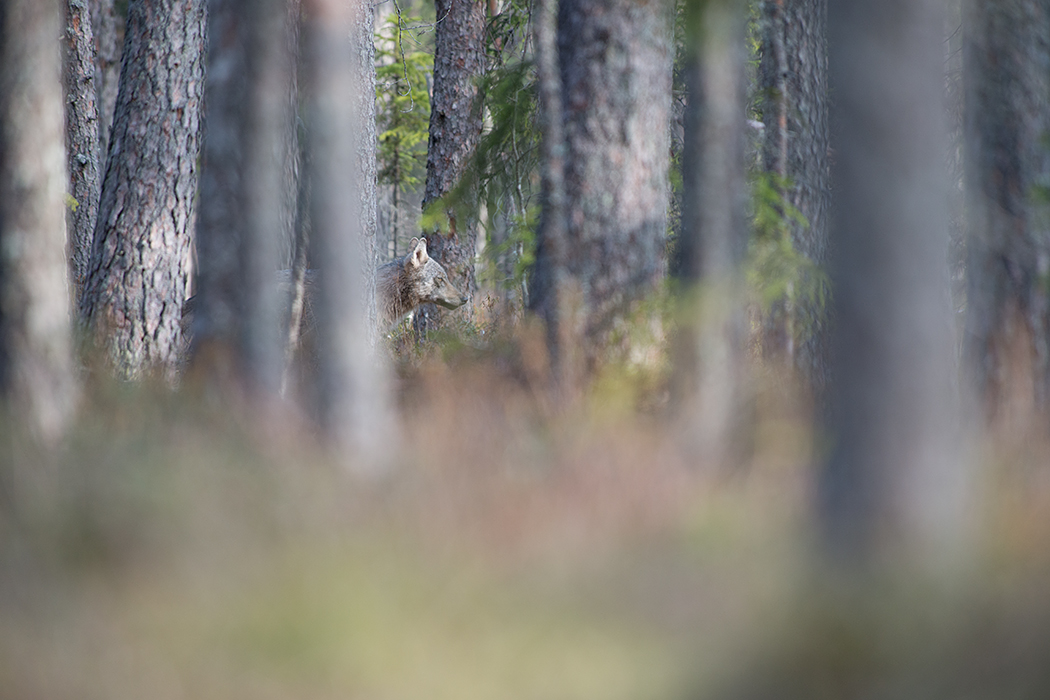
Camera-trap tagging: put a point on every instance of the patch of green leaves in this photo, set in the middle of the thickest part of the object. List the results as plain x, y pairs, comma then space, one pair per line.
402, 103
776, 271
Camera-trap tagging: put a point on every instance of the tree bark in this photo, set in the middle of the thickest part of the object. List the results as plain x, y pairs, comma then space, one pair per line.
245, 212
140, 265
355, 404
455, 128
82, 143
615, 58
105, 23
1007, 86
37, 377
894, 478
713, 236
793, 101
549, 298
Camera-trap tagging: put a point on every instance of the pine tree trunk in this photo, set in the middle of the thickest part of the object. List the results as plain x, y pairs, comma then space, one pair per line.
793, 100
245, 212
105, 22
894, 477
712, 241
37, 377
548, 279
355, 404
1007, 86
455, 128
616, 90
82, 144
140, 264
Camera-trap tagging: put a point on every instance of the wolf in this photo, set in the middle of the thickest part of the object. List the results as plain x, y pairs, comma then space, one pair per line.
401, 287
406, 283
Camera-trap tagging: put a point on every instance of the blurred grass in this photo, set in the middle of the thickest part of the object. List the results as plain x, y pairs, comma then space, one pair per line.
175, 548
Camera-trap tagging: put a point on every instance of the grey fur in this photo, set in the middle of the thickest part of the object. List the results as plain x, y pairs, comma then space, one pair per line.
406, 283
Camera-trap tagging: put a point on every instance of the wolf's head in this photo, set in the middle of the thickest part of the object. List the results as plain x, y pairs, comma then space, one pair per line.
429, 280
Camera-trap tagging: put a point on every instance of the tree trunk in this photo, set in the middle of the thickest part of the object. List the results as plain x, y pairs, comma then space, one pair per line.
105, 23
709, 351
1007, 85
894, 477
245, 212
548, 278
616, 91
342, 151
455, 128
140, 264
36, 362
793, 100
82, 144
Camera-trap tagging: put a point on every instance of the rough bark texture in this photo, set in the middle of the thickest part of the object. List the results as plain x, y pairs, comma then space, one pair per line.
894, 477
616, 89
82, 144
793, 101
713, 236
105, 24
548, 274
36, 361
140, 265
455, 128
1007, 84
364, 163
342, 150
245, 211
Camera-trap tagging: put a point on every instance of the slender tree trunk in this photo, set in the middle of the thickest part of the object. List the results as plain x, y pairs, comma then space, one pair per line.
342, 146
713, 236
82, 144
455, 128
615, 58
1007, 85
244, 215
549, 275
362, 39
37, 377
300, 263
140, 264
793, 100
894, 477
105, 22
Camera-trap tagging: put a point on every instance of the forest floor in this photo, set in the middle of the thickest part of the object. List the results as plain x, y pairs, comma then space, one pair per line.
172, 551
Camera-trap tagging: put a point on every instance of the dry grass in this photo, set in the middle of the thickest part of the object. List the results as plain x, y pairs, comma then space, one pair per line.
172, 549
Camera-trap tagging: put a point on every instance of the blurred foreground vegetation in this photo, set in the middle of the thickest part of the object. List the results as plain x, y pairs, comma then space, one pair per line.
169, 550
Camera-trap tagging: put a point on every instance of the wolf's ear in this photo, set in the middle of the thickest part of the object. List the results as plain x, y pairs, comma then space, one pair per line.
419, 254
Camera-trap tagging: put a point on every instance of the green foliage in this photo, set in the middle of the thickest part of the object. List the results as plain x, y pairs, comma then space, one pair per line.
775, 270
504, 173
402, 103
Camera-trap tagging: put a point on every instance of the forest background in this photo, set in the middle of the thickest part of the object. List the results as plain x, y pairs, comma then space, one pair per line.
749, 399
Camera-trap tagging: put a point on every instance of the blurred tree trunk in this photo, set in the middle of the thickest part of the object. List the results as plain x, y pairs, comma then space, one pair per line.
37, 377
245, 211
140, 260
713, 238
793, 101
105, 23
82, 144
894, 476
455, 128
615, 59
340, 84
548, 278
1007, 141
